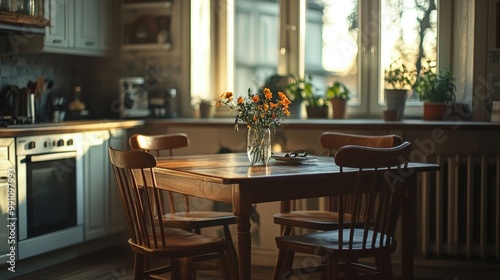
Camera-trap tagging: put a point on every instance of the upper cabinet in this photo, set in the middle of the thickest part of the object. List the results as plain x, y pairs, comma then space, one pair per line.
149, 25
79, 26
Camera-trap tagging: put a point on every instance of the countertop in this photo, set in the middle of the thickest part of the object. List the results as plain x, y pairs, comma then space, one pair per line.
333, 124
330, 124
67, 127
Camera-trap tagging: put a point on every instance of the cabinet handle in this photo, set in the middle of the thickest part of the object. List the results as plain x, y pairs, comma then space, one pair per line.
56, 41
89, 43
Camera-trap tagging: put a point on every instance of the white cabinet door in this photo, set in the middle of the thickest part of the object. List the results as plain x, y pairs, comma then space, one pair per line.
87, 24
60, 14
96, 174
8, 196
76, 26
116, 221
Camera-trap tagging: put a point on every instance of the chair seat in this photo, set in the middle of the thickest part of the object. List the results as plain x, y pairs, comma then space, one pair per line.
198, 219
310, 219
327, 242
181, 243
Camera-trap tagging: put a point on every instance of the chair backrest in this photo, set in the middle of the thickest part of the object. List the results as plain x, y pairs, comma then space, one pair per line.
332, 141
157, 143
379, 188
142, 208
154, 144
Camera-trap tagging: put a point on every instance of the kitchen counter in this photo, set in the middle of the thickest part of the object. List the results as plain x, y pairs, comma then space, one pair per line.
67, 127
331, 124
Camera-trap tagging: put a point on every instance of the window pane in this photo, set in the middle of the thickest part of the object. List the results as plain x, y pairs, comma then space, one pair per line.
256, 43
408, 33
332, 44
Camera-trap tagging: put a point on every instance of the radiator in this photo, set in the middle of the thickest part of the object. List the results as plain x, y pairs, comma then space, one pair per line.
458, 208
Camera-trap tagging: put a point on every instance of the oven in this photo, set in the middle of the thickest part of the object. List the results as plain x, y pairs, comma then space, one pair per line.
50, 192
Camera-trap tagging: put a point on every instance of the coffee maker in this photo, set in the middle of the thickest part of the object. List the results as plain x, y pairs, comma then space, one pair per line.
134, 102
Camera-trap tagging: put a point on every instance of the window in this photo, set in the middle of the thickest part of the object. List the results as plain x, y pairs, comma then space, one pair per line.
351, 41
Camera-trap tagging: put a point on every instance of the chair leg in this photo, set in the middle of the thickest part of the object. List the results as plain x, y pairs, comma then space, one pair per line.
176, 269
232, 249
283, 267
278, 266
332, 269
387, 272
226, 264
287, 230
138, 266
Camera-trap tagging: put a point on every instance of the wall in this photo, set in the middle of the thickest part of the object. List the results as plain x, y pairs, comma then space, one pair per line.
99, 87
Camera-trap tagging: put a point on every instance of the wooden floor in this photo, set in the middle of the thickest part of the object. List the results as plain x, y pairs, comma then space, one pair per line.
116, 263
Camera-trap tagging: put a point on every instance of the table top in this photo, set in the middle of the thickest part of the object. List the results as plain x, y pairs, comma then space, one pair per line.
234, 168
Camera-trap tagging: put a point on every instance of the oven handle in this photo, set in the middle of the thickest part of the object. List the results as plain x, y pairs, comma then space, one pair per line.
55, 156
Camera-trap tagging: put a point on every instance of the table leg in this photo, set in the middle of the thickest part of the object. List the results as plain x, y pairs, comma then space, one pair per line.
408, 221
244, 247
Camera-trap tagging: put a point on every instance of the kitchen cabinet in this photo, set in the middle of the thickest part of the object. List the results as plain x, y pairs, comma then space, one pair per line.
96, 174
78, 26
151, 26
103, 212
118, 140
8, 195
87, 24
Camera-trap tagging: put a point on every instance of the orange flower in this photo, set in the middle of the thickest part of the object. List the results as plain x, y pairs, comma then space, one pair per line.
257, 110
268, 94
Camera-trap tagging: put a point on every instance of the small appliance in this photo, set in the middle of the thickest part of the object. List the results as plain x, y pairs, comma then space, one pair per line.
134, 102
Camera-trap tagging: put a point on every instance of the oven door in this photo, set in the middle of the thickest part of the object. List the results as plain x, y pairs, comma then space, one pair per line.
50, 202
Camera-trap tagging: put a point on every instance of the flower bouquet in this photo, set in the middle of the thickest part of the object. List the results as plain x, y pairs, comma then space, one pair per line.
261, 113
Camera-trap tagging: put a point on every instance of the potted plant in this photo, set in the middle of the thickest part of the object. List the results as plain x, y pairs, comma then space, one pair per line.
398, 82
338, 94
437, 91
316, 106
300, 90
296, 90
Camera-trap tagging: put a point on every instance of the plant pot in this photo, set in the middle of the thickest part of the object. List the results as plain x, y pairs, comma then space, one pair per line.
396, 100
390, 115
295, 109
339, 106
317, 112
207, 110
435, 111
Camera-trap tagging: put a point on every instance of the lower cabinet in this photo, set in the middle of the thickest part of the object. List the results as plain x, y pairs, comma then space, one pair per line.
7, 202
103, 213
118, 140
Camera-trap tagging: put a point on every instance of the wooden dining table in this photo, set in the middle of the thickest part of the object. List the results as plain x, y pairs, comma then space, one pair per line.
230, 178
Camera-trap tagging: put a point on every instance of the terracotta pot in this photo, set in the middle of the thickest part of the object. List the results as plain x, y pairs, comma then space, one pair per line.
317, 112
434, 111
391, 115
339, 106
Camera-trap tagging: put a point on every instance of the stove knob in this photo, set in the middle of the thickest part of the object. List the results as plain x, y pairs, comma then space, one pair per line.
60, 143
31, 145
70, 142
45, 144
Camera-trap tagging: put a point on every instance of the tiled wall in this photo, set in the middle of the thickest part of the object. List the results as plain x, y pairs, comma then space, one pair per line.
97, 76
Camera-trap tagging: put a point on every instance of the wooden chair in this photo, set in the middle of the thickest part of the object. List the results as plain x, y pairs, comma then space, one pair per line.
379, 188
149, 236
327, 220
187, 219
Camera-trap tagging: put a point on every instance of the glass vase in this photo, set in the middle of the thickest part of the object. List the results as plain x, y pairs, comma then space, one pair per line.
259, 145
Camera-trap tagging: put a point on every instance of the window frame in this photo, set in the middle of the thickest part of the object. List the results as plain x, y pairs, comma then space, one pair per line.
292, 50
